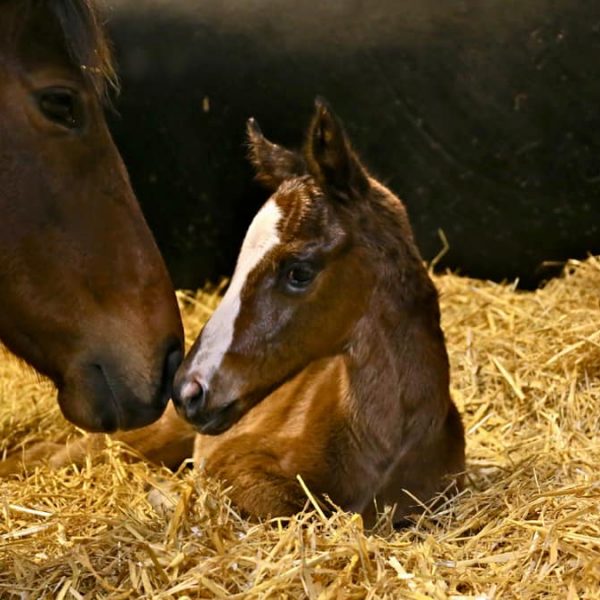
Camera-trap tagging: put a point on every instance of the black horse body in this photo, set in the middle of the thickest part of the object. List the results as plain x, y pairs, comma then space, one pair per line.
482, 116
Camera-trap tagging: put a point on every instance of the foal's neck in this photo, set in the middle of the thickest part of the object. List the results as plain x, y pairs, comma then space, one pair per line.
398, 366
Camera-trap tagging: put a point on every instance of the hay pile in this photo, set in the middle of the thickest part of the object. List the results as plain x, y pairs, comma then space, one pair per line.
526, 376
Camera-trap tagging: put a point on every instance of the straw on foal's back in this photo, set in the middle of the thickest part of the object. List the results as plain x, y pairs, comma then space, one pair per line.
335, 366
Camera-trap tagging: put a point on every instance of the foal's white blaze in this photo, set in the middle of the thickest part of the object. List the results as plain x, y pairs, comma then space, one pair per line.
262, 236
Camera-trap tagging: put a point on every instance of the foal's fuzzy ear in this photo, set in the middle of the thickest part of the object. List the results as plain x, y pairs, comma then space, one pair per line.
274, 164
330, 157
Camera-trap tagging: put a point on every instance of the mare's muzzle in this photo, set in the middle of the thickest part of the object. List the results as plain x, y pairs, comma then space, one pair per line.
102, 396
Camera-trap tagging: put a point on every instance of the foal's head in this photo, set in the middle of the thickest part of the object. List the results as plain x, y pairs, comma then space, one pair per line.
325, 239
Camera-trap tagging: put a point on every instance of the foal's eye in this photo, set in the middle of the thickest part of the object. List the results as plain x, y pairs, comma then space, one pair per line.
299, 276
61, 105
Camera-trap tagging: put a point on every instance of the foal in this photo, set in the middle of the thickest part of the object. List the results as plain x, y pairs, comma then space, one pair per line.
325, 357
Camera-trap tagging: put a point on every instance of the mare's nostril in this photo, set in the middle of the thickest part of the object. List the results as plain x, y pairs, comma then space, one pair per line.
171, 364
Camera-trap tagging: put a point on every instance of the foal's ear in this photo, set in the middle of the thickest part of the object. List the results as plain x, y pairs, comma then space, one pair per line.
274, 164
330, 157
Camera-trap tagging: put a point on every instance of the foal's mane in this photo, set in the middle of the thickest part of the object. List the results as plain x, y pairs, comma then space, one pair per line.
84, 39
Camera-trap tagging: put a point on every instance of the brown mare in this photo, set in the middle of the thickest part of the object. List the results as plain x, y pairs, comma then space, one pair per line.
84, 294
325, 357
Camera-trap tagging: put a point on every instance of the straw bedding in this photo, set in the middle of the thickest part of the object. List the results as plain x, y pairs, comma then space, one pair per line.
526, 377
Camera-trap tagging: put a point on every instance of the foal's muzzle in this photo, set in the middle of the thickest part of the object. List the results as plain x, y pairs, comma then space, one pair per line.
191, 399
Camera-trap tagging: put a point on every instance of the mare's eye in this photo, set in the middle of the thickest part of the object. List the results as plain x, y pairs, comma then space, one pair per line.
299, 276
61, 105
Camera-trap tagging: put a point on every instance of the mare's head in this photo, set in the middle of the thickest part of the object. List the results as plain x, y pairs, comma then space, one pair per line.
84, 294
326, 238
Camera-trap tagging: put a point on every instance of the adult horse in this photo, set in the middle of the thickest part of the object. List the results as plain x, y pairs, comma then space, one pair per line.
85, 297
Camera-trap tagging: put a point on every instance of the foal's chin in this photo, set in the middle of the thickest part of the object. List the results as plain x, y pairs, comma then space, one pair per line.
222, 413
219, 420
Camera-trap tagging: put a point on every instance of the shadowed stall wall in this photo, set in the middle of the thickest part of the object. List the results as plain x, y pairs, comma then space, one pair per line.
483, 115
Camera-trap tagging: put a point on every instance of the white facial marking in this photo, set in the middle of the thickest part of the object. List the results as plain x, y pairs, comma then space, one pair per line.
261, 237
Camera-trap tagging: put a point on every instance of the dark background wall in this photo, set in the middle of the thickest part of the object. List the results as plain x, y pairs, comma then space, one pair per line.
483, 115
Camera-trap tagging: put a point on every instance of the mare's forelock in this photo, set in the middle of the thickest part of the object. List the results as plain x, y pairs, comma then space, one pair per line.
83, 37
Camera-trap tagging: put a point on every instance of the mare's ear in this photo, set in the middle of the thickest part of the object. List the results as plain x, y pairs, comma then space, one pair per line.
330, 158
274, 164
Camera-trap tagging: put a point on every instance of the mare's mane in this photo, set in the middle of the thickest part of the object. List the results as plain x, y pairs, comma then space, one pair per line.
84, 40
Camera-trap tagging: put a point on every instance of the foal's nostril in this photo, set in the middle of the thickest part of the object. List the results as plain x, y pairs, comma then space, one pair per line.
190, 398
